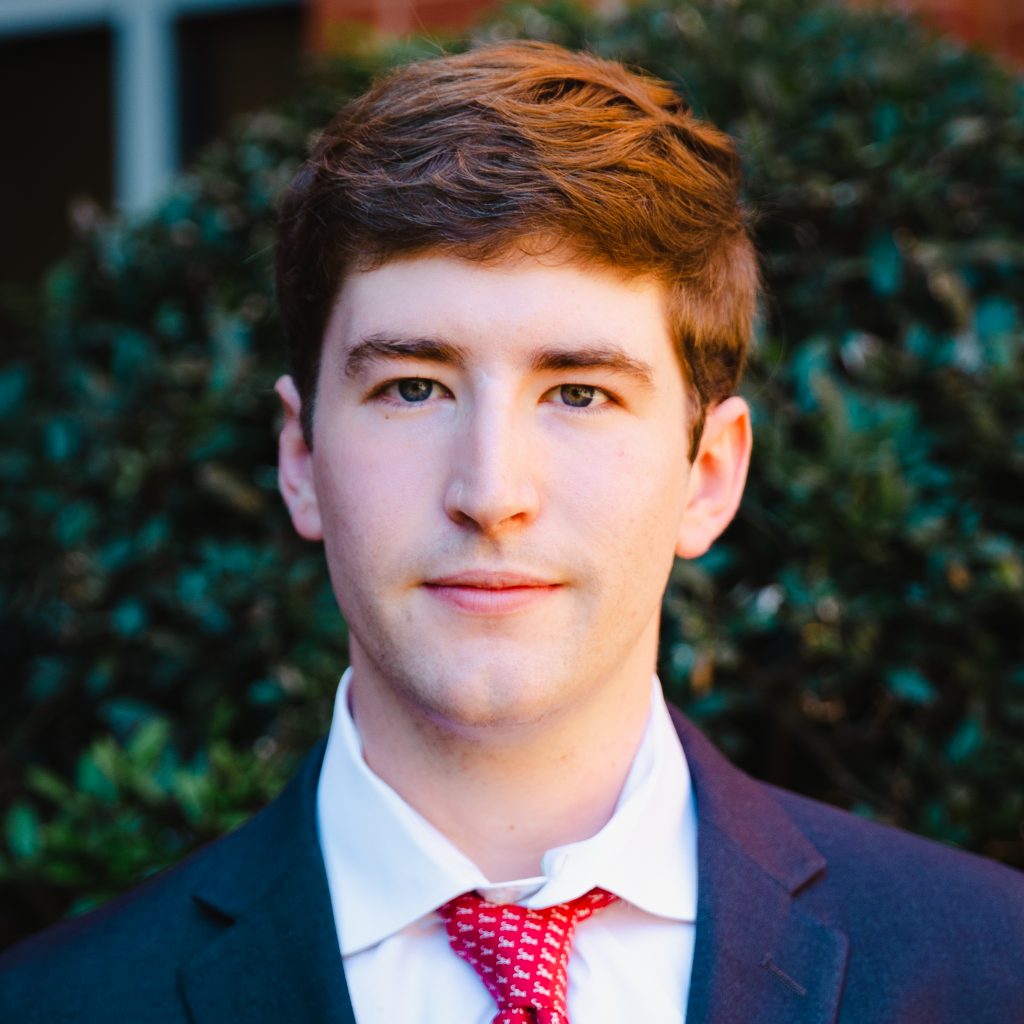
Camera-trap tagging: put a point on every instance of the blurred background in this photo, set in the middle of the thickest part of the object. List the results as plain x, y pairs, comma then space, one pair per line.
170, 649
135, 89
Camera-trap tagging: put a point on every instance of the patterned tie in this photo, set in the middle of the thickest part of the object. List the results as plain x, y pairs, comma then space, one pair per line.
522, 955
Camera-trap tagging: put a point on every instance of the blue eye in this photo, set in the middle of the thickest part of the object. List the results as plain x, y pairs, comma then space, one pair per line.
579, 396
415, 389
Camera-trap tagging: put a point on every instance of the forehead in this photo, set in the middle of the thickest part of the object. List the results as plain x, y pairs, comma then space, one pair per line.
501, 307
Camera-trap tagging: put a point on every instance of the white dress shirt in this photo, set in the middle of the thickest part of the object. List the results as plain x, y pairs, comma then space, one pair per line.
389, 869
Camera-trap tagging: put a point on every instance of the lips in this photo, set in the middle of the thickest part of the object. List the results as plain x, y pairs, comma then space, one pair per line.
488, 579
490, 592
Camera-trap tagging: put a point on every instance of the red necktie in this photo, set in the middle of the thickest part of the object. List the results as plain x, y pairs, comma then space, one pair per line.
522, 955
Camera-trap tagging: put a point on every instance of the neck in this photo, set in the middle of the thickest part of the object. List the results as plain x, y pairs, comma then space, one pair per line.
505, 795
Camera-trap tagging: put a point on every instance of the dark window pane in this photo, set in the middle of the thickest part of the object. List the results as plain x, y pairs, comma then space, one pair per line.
55, 108
233, 63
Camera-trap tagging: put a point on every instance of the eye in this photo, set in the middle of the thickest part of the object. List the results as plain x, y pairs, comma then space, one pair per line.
415, 389
581, 396
406, 391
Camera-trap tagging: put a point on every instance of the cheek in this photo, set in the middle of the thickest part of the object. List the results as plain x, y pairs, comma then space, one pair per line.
363, 472
631, 494
386, 452
352, 498
374, 498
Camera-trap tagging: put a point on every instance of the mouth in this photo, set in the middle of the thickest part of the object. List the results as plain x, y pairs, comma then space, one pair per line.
485, 592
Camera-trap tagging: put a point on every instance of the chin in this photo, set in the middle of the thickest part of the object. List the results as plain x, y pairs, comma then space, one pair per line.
493, 697
472, 685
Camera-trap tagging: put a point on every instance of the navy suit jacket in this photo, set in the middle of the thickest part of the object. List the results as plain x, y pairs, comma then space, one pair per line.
806, 915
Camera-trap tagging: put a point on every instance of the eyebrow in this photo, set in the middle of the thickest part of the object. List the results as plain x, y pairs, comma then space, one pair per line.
596, 357
382, 347
611, 358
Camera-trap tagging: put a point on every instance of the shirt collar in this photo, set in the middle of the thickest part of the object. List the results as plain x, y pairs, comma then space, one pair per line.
387, 866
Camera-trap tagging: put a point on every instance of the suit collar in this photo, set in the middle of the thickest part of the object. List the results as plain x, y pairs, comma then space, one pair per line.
732, 803
387, 866
759, 956
276, 957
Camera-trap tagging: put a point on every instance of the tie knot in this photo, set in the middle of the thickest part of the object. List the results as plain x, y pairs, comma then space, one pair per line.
521, 955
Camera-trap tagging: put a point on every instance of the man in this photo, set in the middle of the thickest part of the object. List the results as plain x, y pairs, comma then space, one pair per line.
518, 291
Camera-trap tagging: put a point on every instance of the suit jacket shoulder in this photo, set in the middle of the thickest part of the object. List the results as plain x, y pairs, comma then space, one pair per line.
811, 914
942, 927
242, 930
806, 915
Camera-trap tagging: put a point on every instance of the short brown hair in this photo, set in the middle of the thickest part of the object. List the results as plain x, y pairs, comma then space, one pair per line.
475, 154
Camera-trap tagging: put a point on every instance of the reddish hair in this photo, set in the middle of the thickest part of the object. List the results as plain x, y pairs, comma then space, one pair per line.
484, 152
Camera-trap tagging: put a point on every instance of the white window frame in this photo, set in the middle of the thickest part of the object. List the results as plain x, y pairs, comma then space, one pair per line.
146, 136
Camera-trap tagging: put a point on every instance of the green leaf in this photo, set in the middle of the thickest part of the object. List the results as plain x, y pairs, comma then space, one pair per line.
149, 742
966, 742
21, 827
14, 385
128, 618
909, 685
885, 264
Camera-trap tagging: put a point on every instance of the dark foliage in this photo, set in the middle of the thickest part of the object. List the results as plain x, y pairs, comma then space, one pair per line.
857, 635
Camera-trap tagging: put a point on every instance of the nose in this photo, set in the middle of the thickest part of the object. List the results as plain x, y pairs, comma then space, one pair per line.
492, 486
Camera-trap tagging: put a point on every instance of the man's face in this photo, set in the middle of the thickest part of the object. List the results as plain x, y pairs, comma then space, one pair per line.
499, 474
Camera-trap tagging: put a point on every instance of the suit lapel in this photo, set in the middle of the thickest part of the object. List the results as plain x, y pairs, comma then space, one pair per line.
759, 956
276, 958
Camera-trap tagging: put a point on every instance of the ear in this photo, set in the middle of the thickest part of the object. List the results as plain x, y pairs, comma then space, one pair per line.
716, 478
295, 465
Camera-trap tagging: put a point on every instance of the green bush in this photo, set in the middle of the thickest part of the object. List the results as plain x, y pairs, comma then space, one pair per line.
857, 634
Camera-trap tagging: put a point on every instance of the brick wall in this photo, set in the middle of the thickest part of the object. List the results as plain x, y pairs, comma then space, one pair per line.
399, 16
996, 24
